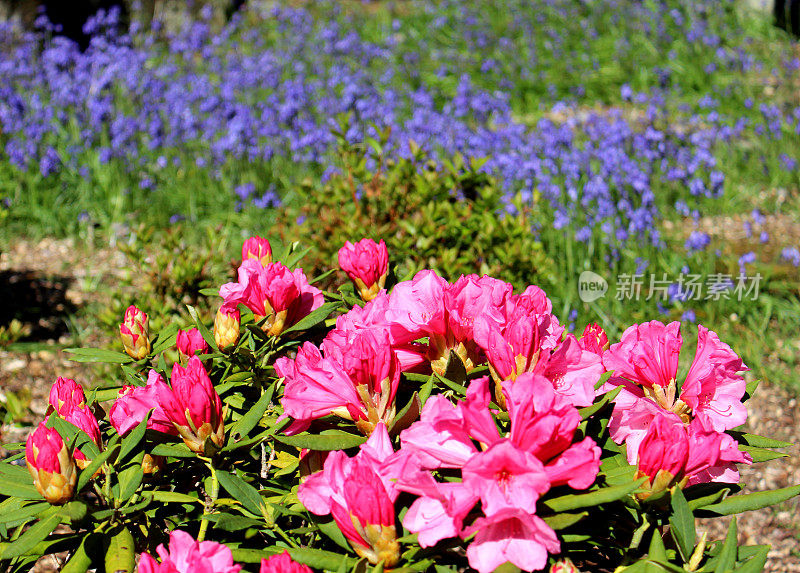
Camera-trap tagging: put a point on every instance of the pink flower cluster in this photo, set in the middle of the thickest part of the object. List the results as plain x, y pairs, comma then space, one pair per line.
186, 555
275, 295
422, 325
678, 430
190, 408
506, 473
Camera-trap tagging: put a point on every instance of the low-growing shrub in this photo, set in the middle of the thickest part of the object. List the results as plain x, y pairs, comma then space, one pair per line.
437, 426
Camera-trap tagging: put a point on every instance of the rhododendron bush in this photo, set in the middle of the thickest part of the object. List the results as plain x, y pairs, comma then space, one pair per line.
411, 425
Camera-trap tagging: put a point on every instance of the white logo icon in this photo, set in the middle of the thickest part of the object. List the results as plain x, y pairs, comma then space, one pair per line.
591, 286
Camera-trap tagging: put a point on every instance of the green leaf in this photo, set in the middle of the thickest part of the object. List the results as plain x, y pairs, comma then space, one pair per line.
204, 332
133, 439
172, 451
249, 421
407, 416
657, 551
241, 491
597, 406
229, 522
426, 390
456, 370
758, 441
16, 481
167, 338
727, 557
106, 394
72, 434
752, 501
174, 497
120, 554
332, 530
762, 454
682, 524
714, 497
36, 533
756, 563
326, 441
130, 478
602, 495
15, 517
81, 559
314, 318
564, 520
98, 355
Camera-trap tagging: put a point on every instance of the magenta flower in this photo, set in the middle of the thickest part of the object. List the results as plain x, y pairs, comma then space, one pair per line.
356, 379
283, 563
359, 493
191, 342
51, 465
134, 402
367, 264
185, 555
84, 419
194, 407
276, 295
257, 248
594, 339
511, 535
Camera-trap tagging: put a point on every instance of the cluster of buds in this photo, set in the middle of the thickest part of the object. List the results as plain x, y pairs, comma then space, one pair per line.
135, 333
367, 264
51, 465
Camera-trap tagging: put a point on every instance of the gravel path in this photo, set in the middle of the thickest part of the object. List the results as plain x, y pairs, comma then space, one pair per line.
77, 275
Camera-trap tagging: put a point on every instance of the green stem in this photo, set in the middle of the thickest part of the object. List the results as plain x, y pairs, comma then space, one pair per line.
209, 506
639, 533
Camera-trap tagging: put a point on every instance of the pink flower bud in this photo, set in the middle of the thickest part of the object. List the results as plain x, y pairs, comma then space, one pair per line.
51, 465
66, 394
84, 419
663, 453
193, 405
257, 248
282, 563
367, 264
185, 555
594, 339
135, 333
191, 342
226, 326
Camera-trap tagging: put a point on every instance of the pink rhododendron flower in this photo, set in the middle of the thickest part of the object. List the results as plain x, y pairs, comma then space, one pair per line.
367, 264
283, 563
257, 248
193, 406
512, 536
276, 295
359, 493
356, 379
134, 402
185, 555
66, 394
135, 333
191, 342
84, 419
51, 464
440, 438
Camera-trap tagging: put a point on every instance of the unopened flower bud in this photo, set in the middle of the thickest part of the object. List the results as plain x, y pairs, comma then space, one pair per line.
135, 333
564, 566
66, 394
51, 465
226, 326
257, 248
594, 339
367, 265
191, 342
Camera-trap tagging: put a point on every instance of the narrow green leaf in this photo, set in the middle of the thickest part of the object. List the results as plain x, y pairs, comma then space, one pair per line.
332, 530
752, 501
130, 478
326, 441
204, 332
701, 502
81, 559
174, 497
251, 418
597, 406
16, 481
133, 439
70, 432
167, 338
36, 533
564, 520
657, 551
762, 454
98, 355
172, 451
314, 318
18, 516
426, 390
758, 441
602, 495
407, 416
241, 491
756, 563
682, 524
229, 522
727, 557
